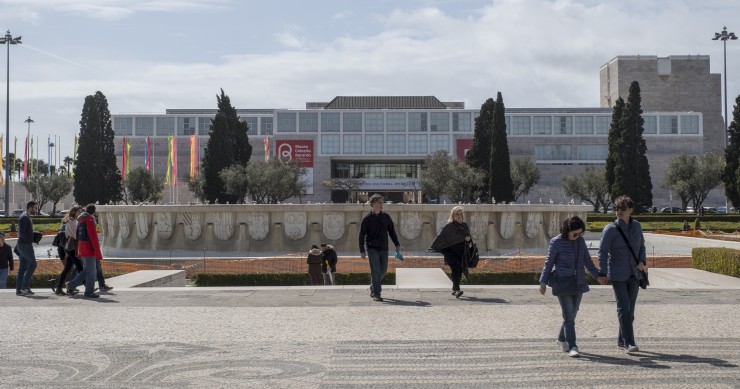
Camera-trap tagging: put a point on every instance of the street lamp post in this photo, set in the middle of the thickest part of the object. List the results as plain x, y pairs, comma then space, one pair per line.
724, 37
8, 40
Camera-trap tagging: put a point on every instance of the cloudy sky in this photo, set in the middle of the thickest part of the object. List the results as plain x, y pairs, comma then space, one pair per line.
149, 55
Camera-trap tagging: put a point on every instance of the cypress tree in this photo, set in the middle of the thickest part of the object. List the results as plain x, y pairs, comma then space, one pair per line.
500, 186
228, 144
479, 155
732, 158
615, 134
96, 174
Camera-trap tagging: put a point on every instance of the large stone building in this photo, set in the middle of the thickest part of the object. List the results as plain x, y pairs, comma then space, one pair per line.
383, 140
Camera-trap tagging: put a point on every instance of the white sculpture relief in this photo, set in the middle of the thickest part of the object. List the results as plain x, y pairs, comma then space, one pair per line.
534, 219
258, 223
123, 225
333, 225
478, 224
441, 221
111, 224
164, 225
553, 227
294, 224
508, 224
142, 225
410, 225
223, 225
191, 225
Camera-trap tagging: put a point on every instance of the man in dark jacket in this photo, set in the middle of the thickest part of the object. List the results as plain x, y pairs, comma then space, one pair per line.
25, 250
6, 261
375, 229
330, 259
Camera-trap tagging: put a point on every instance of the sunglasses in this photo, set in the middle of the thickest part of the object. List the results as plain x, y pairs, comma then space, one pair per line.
621, 208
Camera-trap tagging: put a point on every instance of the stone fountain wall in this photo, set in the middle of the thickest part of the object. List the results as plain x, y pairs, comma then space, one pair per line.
266, 230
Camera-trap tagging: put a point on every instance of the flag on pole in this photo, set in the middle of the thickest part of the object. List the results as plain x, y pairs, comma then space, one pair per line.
128, 157
31, 159
74, 158
169, 160
15, 151
194, 157
2, 179
123, 157
25, 161
147, 153
266, 142
174, 161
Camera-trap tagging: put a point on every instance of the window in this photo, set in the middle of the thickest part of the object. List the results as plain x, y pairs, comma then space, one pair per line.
440, 142
507, 122
395, 144
204, 126
374, 122
542, 125
252, 125
396, 121
185, 126
330, 122
122, 126
651, 125
286, 122
266, 125
329, 144
552, 152
418, 144
374, 144
440, 122
165, 125
584, 124
417, 122
352, 122
601, 124
461, 122
689, 124
592, 152
669, 124
309, 122
563, 125
144, 125
520, 125
352, 144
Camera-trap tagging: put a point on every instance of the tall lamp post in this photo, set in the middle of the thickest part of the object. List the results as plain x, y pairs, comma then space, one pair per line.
724, 36
8, 40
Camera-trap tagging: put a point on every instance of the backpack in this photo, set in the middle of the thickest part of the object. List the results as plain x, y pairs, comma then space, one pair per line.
60, 240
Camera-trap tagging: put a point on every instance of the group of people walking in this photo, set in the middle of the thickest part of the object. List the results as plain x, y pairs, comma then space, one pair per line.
80, 251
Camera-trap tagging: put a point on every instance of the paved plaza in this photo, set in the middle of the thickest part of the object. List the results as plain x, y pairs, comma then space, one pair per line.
303, 337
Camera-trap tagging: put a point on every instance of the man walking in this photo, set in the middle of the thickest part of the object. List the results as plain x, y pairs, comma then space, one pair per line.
6, 261
88, 249
25, 251
375, 229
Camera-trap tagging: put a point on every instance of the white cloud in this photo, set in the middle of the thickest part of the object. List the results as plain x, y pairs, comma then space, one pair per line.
289, 39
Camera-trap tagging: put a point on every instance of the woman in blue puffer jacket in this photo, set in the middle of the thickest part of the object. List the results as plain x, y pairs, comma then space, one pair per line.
568, 255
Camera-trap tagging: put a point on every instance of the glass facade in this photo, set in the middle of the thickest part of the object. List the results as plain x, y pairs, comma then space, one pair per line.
461, 122
417, 122
308, 122
186, 126
266, 125
396, 121
375, 170
352, 122
553, 152
374, 122
439, 142
601, 125
440, 122
374, 144
418, 144
520, 125
689, 124
144, 126
584, 124
286, 122
123, 126
592, 152
330, 122
204, 126
253, 124
396, 144
165, 125
352, 144
651, 124
563, 125
542, 125
669, 124
329, 144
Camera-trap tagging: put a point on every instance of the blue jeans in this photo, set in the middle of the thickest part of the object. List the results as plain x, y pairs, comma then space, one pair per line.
90, 272
27, 266
625, 292
569, 306
4, 278
378, 266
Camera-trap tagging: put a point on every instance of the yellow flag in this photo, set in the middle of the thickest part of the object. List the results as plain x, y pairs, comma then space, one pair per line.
169, 160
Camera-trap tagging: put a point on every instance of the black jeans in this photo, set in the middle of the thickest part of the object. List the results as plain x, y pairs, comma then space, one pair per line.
69, 260
625, 292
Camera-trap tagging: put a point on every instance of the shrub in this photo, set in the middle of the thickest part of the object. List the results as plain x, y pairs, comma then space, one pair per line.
717, 260
281, 279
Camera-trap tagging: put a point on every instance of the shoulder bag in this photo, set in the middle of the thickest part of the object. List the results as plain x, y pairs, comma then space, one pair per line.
644, 282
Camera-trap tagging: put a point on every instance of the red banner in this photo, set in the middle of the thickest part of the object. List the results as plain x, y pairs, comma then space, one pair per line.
462, 147
295, 150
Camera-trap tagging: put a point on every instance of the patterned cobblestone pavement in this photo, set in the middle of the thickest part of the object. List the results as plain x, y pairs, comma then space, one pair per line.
339, 338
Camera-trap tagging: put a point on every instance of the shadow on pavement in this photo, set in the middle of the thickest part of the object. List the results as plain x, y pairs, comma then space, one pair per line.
406, 303
484, 300
651, 360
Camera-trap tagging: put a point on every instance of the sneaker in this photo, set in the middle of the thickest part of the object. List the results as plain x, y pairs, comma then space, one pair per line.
372, 294
454, 292
620, 345
458, 294
105, 288
573, 353
563, 346
72, 291
28, 292
632, 349
21, 292
378, 298
92, 296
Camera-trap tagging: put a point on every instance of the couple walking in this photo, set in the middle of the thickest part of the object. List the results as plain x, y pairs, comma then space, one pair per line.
621, 261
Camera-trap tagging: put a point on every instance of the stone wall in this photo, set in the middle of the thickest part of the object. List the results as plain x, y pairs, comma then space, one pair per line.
266, 230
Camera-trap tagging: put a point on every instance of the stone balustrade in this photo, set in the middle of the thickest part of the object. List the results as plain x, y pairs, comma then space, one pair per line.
265, 230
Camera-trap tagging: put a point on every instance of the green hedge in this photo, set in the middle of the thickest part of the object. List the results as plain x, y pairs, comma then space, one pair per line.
717, 260
41, 280
281, 279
